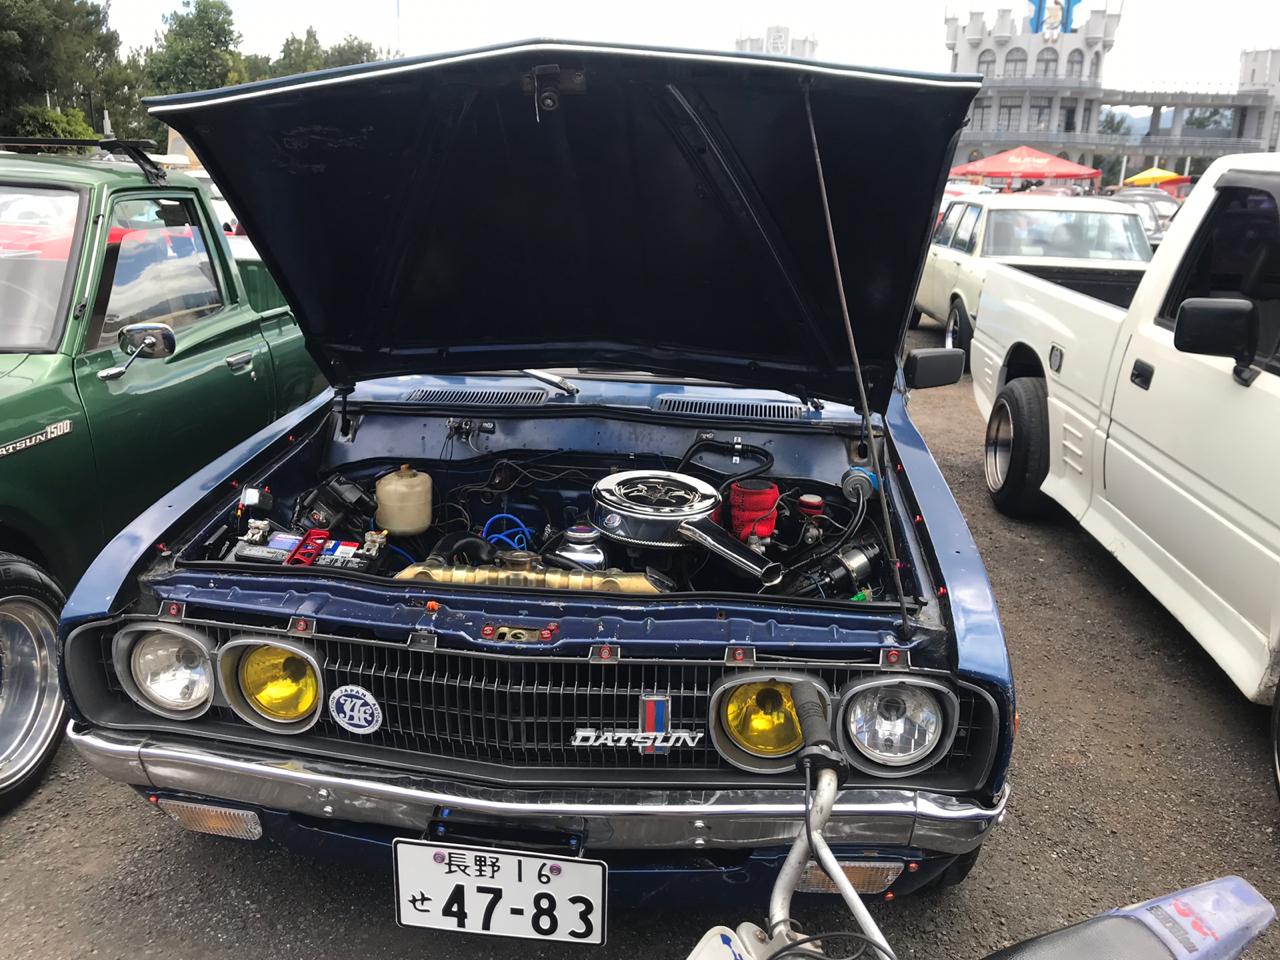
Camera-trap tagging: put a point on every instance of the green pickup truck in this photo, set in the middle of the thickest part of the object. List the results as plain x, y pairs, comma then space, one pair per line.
134, 348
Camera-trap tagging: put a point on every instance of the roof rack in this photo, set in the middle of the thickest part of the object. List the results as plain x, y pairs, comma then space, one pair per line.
135, 150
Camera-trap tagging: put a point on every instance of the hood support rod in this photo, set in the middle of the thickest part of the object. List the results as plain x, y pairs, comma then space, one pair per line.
873, 449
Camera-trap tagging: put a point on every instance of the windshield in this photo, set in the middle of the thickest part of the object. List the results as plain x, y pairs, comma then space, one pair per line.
1146, 213
1070, 234
1165, 207
37, 229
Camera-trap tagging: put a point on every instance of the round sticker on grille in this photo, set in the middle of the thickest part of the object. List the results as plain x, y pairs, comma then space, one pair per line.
355, 709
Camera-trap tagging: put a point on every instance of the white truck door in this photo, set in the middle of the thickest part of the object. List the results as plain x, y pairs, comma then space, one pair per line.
932, 295
1192, 456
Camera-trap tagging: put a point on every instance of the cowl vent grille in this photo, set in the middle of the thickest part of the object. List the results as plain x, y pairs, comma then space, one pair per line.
741, 409
465, 396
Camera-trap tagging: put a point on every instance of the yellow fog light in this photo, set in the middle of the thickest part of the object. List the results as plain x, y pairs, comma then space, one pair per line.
278, 683
761, 718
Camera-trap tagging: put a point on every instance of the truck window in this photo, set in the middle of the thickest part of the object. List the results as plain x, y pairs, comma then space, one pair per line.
948, 225
1071, 234
264, 295
964, 231
37, 234
156, 267
1236, 254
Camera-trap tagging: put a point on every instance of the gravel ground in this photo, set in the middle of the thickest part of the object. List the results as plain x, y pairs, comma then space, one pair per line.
1139, 769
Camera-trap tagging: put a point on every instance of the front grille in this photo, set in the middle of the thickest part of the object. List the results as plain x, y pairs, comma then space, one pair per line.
521, 712
471, 397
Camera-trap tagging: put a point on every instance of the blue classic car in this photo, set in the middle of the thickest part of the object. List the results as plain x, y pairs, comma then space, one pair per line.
612, 459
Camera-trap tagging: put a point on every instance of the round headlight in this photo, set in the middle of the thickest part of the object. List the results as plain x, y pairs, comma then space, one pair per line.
278, 683
761, 719
895, 724
172, 671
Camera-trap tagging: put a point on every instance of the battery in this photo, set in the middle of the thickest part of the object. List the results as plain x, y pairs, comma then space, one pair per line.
336, 553
276, 550
341, 553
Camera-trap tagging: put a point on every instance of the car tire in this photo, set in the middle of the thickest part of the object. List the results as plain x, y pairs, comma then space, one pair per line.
1275, 741
916, 317
32, 713
957, 332
1016, 449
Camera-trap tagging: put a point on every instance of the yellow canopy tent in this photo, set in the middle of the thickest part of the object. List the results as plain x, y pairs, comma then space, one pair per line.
1151, 176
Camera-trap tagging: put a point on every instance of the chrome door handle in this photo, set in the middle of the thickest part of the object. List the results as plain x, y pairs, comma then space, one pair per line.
238, 360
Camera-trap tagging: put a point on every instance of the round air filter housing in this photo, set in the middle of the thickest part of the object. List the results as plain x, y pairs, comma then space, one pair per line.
661, 509
646, 507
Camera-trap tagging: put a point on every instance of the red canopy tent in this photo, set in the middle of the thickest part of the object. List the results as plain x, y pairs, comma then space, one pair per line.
1025, 163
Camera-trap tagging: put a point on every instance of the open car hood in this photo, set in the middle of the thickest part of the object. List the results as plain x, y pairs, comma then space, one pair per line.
442, 214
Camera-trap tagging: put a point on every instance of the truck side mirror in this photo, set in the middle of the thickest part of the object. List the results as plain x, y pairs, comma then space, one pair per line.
933, 367
150, 341
1219, 327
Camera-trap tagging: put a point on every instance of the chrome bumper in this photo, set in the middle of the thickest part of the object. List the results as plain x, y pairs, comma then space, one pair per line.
622, 819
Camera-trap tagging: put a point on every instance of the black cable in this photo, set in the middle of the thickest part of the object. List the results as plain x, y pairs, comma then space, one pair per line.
725, 446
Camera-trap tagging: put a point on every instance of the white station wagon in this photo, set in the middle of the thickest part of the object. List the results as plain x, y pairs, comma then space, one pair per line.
1096, 247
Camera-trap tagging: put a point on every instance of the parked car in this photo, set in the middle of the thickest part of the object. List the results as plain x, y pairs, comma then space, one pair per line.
1093, 245
93, 256
1154, 426
226, 217
1153, 224
1166, 204
557, 613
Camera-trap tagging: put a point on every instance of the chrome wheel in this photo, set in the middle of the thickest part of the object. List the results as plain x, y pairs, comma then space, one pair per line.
998, 449
31, 710
949, 329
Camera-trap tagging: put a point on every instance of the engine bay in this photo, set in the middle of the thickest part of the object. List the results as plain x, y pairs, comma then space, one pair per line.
717, 518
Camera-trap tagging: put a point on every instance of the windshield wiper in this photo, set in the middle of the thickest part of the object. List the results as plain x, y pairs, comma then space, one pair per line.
551, 379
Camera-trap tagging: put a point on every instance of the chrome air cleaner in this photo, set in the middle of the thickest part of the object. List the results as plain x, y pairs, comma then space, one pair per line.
664, 510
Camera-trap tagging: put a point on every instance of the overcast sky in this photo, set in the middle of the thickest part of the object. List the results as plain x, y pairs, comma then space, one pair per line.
1162, 44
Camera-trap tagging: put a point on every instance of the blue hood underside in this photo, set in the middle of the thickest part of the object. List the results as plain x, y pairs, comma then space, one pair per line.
559, 204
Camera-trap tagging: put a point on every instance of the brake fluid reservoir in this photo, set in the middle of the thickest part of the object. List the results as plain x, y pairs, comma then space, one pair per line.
404, 501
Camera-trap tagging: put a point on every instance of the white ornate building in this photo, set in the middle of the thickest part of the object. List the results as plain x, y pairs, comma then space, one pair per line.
1047, 89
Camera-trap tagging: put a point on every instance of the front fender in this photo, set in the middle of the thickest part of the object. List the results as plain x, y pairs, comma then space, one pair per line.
99, 590
981, 651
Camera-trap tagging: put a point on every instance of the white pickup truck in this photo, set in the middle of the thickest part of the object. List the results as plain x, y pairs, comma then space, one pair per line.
1158, 427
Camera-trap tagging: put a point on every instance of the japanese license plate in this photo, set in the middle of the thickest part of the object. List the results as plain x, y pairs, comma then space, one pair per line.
481, 890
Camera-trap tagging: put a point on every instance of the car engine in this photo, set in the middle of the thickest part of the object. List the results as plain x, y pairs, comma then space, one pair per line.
568, 522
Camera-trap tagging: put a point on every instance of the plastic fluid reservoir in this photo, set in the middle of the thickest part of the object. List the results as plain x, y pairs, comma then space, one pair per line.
404, 501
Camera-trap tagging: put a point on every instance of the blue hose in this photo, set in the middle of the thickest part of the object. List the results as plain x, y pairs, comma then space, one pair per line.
403, 553
519, 524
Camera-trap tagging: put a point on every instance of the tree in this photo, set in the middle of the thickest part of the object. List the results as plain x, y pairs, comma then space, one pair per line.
124, 83
196, 51
1213, 118
35, 121
250, 67
351, 50
1118, 124
54, 53
299, 55
1113, 122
